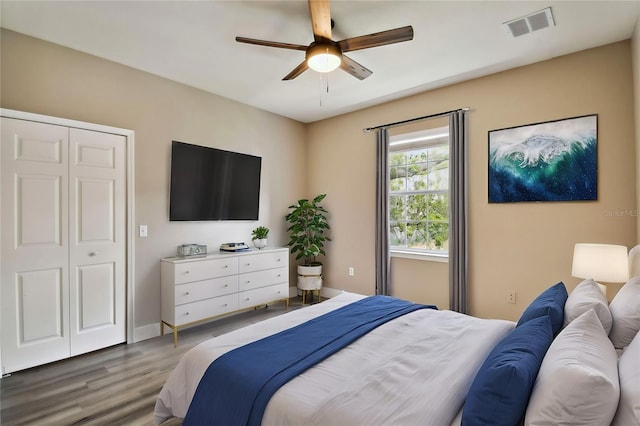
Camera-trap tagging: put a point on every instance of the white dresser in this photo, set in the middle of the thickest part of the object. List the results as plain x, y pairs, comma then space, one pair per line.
199, 289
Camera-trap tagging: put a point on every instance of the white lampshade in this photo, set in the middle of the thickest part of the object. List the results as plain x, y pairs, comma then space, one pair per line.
602, 262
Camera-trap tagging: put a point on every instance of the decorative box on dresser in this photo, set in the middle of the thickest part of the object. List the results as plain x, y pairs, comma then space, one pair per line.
199, 289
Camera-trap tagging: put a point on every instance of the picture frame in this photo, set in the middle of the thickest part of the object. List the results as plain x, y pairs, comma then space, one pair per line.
548, 161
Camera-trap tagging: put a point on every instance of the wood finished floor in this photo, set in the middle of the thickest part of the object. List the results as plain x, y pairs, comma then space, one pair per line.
112, 386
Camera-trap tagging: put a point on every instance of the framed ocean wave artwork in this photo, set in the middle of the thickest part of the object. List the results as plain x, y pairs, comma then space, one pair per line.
550, 161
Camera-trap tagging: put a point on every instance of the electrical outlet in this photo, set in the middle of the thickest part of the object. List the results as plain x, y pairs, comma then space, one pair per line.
511, 297
352, 271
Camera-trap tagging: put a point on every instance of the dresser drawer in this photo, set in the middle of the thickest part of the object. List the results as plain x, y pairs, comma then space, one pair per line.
258, 279
199, 290
205, 269
260, 261
262, 295
197, 311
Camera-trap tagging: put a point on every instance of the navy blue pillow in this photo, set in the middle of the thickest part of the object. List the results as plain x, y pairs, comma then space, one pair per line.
551, 303
500, 391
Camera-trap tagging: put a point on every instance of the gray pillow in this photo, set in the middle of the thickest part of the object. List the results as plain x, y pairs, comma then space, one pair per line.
625, 310
587, 295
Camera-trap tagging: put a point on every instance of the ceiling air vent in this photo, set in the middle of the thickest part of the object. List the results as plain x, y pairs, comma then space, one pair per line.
530, 23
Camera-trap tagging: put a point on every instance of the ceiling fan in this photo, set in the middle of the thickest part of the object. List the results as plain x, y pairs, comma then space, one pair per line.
324, 54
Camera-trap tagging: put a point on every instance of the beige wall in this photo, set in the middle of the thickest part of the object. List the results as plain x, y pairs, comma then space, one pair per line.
635, 53
44, 78
523, 246
410, 276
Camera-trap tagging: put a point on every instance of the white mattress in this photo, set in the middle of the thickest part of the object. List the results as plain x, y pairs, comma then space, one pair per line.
415, 369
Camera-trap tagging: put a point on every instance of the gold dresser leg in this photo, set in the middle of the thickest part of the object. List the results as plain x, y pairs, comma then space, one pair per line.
175, 336
174, 328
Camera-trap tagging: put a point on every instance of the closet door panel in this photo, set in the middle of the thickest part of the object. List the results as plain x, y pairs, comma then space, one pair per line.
38, 318
97, 233
34, 286
96, 205
97, 291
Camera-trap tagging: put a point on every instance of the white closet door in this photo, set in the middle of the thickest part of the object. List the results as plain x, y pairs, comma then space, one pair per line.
97, 234
35, 246
63, 242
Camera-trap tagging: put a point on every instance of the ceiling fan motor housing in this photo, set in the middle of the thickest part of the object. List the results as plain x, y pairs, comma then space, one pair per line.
324, 46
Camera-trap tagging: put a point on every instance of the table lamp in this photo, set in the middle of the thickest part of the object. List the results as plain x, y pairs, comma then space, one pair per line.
601, 262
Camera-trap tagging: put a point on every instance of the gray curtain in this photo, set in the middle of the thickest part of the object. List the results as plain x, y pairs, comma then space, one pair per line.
383, 262
458, 189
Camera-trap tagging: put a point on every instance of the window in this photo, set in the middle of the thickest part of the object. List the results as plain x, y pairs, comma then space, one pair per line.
419, 192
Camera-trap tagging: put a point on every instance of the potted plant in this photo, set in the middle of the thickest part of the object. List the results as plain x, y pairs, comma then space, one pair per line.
259, 236
308, 224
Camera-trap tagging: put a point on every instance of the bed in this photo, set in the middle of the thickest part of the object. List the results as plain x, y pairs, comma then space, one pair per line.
439, 367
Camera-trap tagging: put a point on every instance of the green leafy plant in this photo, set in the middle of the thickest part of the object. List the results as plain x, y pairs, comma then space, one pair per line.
259, 233
308, 224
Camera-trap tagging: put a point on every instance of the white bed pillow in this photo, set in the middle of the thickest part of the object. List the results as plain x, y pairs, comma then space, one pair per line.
628, 413
578, 380
625, 310
587, 295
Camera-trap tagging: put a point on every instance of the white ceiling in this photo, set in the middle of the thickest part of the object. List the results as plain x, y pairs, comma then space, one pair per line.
192, 42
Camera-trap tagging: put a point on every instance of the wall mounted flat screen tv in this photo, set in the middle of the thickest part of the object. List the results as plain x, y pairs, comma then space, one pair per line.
212, 184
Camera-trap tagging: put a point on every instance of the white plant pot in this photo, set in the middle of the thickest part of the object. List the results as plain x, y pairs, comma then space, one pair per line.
309, 277
260, 243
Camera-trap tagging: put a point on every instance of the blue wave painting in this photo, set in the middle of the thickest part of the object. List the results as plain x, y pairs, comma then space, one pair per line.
553, 161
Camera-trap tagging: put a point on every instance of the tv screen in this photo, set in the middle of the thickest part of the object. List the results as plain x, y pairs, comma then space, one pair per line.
212, 184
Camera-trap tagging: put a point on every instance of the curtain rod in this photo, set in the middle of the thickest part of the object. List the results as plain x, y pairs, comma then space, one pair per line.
411, 120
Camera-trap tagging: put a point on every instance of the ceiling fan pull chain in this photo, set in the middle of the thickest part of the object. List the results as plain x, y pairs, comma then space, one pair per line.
325, 86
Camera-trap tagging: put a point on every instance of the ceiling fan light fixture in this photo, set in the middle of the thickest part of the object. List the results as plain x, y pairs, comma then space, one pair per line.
323, 57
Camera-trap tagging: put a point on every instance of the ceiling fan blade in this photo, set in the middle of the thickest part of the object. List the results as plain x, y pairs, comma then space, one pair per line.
271, 43
297, 71
320, 19
377, 39
354, 68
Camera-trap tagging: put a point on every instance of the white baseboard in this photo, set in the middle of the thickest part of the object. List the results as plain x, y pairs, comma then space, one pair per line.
145, 332
326, 292
293, 292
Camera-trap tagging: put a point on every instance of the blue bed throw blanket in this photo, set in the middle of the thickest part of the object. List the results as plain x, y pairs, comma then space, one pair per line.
237, 386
